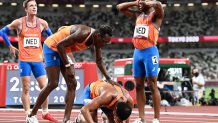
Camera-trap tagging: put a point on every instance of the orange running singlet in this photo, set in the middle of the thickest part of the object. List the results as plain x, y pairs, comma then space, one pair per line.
29, 41
95, 86
145, 34
62, 33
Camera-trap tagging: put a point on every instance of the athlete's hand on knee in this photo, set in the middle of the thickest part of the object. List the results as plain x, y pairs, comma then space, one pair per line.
13, 50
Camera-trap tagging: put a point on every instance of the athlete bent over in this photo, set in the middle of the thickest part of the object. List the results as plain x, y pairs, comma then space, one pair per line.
58, 52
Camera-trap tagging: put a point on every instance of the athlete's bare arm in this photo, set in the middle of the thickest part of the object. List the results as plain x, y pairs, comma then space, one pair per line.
105, 98
158, 13
124, 8
16, 24
99, 62
78, 34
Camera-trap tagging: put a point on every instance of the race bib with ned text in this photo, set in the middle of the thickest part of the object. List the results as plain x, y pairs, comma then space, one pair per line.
141, 30
31, 42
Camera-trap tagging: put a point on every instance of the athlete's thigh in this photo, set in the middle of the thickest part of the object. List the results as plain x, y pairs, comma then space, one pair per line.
86, 95
25, 68
69, 77
151, 62
138, 65
51, 57
38, 69
39, 73
52, 64
25, 73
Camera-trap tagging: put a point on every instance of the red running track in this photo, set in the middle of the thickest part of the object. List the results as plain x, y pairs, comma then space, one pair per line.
174, 114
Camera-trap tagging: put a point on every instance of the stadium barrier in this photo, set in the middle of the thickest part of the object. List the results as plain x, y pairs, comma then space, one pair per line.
10, 84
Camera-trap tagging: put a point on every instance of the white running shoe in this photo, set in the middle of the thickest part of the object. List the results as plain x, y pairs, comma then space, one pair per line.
77, 120
68, 121
32, 119
156, 120
138, 121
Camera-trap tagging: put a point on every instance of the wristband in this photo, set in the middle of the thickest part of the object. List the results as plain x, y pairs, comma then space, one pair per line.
4, 32
48, 32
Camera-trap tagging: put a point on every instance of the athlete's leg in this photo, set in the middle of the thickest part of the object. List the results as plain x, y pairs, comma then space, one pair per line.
45, 114
140, 96
151, 66
38, 71
53, 78
42, 83
25, 96
52, 62
155, 95
25, 72
71, 88
139, 75
86, 99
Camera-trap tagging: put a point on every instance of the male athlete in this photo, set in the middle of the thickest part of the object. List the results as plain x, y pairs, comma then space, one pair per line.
114, 101
29, 29
146, 56
58, 52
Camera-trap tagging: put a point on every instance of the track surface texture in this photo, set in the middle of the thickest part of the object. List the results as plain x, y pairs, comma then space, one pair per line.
174, 114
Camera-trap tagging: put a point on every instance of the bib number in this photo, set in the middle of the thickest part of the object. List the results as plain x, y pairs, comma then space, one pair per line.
31, 42
141, 31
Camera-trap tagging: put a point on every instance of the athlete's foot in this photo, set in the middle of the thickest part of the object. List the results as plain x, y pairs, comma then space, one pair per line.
31, 119
156, 120
139, 120
68, 121
77, 120
49, 117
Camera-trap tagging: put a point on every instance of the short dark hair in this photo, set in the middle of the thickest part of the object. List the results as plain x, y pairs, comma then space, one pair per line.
25, 2
105, 29
123, 110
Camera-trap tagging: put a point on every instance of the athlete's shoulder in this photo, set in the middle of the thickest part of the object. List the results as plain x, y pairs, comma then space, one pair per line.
18, 20
44, 23
82, 26
42, 20
15, 23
